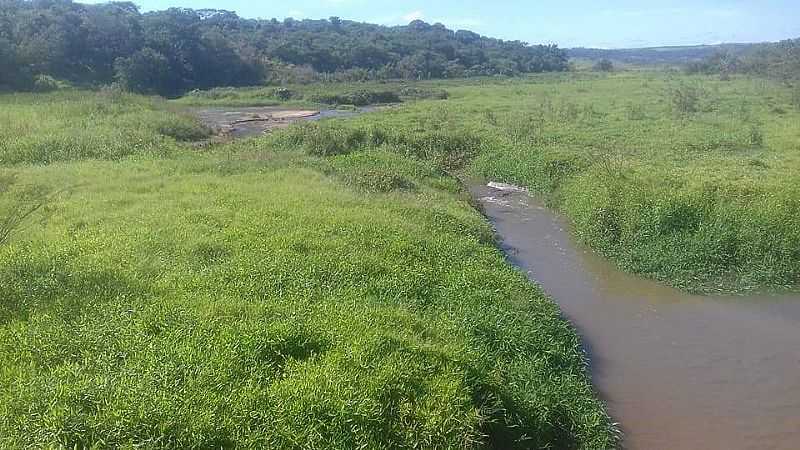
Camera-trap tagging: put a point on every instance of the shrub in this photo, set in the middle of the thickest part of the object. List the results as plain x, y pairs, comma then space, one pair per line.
283, 94
685, 98
45, 83
418, 93
183, 128
755, 136
323, 139
357, 98
146, 71
604, 65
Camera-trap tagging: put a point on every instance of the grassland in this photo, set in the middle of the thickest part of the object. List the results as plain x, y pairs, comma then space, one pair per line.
264, 294
330, 286
73, 125
690, 180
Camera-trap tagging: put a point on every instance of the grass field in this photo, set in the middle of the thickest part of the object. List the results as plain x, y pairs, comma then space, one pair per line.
71, 125
331, 286
690, 180
256, 295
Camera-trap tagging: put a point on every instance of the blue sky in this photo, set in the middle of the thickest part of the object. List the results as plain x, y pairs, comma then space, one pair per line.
569, 23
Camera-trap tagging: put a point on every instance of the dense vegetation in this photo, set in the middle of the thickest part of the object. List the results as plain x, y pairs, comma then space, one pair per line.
780, 61
691, 180
264, 295
173, 51
315, 95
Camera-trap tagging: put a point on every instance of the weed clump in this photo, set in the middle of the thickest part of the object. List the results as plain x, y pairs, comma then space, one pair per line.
18, 204
685, 98
419, 93
356, 98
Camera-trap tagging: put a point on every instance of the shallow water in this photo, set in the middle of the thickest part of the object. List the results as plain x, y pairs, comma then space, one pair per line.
237, 122
678, 371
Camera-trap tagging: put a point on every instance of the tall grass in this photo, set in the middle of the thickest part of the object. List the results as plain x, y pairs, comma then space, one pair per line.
253, 302
617, 153
70, 125
316, 95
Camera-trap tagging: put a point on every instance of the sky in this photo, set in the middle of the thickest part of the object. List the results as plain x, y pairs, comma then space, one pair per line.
568, 23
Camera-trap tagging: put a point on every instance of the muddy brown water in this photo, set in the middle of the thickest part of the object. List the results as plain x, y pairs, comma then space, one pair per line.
677, 371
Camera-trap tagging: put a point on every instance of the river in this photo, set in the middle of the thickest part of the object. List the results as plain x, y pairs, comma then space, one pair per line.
677, 371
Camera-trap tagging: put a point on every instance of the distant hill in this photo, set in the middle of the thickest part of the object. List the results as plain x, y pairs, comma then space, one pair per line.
659, 55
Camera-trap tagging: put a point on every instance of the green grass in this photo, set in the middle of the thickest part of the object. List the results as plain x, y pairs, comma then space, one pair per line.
690, 180
330, 286
74, 125
319, 95
257, 295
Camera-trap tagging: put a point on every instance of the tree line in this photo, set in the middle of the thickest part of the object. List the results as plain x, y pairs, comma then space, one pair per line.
780, 61
172, 51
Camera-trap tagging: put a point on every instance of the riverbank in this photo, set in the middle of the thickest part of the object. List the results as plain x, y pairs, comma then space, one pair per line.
680, 372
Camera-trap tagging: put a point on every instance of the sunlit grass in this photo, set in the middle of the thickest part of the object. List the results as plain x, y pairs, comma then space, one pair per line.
703, 197
72, 125
252, 301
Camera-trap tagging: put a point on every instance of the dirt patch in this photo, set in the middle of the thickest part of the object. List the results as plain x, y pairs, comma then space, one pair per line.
237, 123
233, 123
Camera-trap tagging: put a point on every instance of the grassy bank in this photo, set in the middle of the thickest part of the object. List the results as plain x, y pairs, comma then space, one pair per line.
73, 125
321, 95
267, 295
691, 180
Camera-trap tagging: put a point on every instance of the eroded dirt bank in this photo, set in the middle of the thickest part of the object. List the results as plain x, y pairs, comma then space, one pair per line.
678, 371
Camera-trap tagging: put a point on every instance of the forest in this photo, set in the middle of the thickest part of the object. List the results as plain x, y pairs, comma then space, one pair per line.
47, 42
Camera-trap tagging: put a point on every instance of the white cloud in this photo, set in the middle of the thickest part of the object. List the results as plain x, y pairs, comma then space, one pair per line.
414, 15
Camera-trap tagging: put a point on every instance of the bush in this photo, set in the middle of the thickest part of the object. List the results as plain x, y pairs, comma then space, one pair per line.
45, 83
283, 94
417, 93
756, 136
604, 65
323, 139
685, 98
357, 98
183, 128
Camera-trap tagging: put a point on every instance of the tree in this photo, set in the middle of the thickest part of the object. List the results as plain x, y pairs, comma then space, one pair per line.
146, 72
604, 65
179, 49
422, 65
